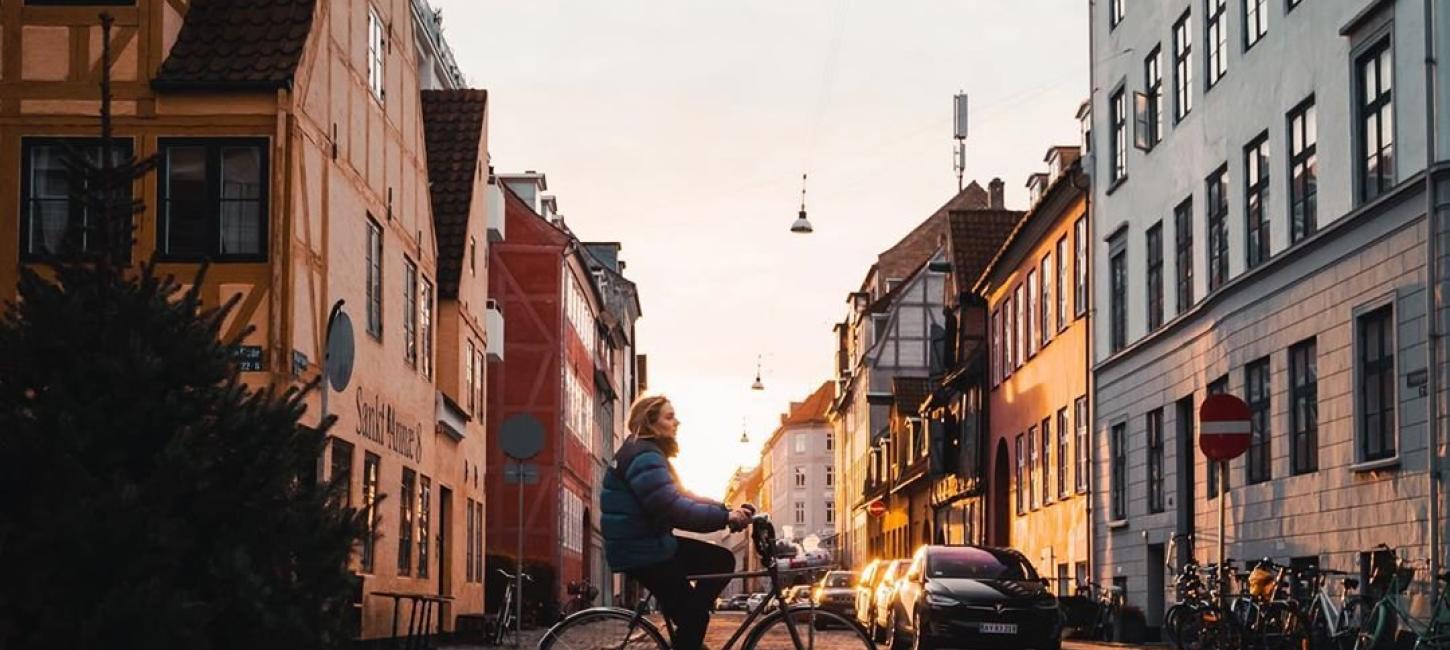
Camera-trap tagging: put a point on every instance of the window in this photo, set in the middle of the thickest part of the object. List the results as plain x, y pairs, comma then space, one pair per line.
1063, 282
1119, 484
1032, 467
1021, 471
1033, 325
1216, 37
997, 365
478, 385
1019, 339
1256, 385
1256, 21
1374, 79
830, 444
1182, 67
1217, 208
1008, 344
1292, 4
1079, 262
410, 312
1376, 385
800, 443
377, 52
469, 372
1062, 488
1080, 446
1115, 12
830, 475
341, 472
51, 213
1045, 469
468, 540
1214, 388
800, 477
1118, 299
1183, 253
830, 511
1118, 112
800, 512
1303, 407
425, 498
1155, 460
370, 510
426, 298
1044, 304
1256, 199
375, 279
1154, 239
405, 522
1152, 113
213, 199
1303, 171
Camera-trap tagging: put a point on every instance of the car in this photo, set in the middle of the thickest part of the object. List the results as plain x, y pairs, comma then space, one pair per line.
797, 594
885, 599
737, 602
754, 600
974, 596
836, 592
865, 593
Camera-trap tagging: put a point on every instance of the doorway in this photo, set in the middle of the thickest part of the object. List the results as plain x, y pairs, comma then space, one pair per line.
1001, 493
445, 542
1156, 588
1187, 500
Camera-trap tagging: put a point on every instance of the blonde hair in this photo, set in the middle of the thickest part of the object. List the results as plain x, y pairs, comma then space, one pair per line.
644, 415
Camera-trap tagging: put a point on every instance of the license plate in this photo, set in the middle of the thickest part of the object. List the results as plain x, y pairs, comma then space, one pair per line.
999, 628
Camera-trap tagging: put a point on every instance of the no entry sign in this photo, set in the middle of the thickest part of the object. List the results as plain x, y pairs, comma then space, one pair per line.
1223, 427
877, 508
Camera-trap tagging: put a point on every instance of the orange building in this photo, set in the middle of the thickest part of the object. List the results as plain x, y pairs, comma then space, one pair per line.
1038, 374
291, 140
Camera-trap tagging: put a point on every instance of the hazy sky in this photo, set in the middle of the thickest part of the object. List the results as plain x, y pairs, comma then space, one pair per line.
681, 129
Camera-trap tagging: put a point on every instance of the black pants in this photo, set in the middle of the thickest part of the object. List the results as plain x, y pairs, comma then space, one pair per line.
686, 605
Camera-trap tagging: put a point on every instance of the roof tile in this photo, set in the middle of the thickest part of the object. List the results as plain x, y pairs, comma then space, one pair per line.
226, 44
453, 125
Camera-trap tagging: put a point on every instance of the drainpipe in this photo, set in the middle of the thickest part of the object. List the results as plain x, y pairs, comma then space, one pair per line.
1431, 304
1092, 561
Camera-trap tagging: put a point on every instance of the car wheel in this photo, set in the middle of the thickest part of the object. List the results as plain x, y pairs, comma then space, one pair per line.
920, 640
877, 634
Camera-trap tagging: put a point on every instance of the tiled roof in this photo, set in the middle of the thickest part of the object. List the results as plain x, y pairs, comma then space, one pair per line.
918, 245
452, 125
813, 410
976, 236
233, 45
909, 393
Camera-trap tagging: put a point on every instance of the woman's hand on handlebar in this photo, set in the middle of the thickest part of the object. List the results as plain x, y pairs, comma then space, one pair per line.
740, 518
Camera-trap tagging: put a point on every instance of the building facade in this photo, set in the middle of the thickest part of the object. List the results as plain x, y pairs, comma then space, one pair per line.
1036, 301
301, 175
744, 487
1254, 266
798, 472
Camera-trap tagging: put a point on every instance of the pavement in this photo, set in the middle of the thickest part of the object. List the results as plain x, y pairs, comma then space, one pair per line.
724, 624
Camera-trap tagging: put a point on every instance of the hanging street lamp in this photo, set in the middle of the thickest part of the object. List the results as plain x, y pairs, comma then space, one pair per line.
802, 225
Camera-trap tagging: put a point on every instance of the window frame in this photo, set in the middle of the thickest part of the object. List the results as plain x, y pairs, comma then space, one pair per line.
1215, 43
374, 276
1117, 295
1021, 478
1256, 22
1118, 136
213, 147
1183, 66
125, 150
1063, 491
1304, 422
1258, 391
1063, 280
1045, 456
1303, 125
1216, 185
426, 297
410, 312
1081, 432
372, 471
1257, 163
377, 54
1153, 429
1183, 254
1032, 459
1115, 13
1153, 242
1033, 342
1153, 90
1383, 103
425, 524
1387, 376
1044, 301
1080, 297
1118, 476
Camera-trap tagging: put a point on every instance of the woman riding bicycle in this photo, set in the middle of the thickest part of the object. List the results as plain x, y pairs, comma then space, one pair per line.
643, 502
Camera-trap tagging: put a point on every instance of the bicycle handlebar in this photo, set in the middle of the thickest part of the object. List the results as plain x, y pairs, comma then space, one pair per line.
511, 576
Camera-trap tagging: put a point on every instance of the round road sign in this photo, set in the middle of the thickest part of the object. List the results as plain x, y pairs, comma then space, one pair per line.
521, 436
1224, 427
338, 363
877, 508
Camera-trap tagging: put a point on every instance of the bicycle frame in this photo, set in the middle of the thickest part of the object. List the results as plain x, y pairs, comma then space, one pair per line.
776, 595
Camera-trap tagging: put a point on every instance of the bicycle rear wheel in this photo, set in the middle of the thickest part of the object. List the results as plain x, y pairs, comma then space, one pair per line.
814, 629
603, 628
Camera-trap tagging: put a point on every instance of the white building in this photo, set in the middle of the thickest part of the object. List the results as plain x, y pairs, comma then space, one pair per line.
1260, 188
798, 471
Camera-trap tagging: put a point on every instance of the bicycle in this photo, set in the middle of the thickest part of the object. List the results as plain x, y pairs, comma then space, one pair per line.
784, 626
507, 617
581, 597
1333, 624
1108, 604
1381, 627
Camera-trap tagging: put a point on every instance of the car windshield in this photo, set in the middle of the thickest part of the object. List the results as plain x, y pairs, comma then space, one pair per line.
838, 580
978, 563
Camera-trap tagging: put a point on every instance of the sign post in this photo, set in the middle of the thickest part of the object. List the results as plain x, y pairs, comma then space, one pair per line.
1224, 431
522, 437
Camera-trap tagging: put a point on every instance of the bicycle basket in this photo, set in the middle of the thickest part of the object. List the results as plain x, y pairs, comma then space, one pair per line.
1261, 582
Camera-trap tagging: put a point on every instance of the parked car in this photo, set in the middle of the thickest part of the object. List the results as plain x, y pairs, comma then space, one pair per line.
754, 600
737, 602
865, 605
836, 592
885, 599
974, 596
798, 594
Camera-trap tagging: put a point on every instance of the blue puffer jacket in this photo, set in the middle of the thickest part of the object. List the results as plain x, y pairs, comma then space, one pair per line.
638, 518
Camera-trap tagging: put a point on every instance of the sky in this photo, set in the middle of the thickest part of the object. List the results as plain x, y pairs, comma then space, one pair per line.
681, 129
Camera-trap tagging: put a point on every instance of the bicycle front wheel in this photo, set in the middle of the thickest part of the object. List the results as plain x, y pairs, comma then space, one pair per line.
603, 628
807, 628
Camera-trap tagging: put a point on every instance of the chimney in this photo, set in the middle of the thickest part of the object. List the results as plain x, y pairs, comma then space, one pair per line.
994, 194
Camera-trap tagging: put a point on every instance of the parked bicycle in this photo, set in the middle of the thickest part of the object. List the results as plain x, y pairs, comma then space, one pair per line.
1108, 602
507, 615
1333, 621
772, 624
1381, 627
581, 597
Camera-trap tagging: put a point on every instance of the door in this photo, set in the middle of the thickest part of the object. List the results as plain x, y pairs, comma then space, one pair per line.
1186, 480
445, 541
1001, 488
1156, 595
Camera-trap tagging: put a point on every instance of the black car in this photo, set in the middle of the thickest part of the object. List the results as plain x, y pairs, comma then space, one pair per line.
977, 597
837, 592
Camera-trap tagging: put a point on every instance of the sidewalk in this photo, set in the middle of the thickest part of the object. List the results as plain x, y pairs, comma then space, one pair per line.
1074, 644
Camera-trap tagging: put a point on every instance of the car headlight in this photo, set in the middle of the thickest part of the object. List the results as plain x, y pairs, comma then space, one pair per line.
937, 600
